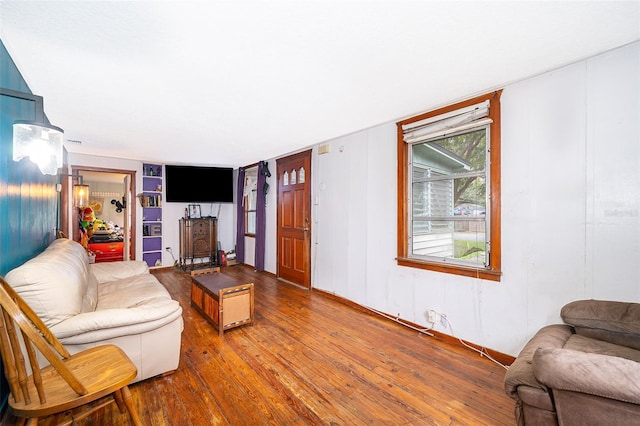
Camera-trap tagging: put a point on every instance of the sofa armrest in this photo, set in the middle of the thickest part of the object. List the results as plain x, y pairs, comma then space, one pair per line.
594, 374
520, 372
112, 271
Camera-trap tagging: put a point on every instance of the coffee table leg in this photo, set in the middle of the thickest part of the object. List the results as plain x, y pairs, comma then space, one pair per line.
220, 313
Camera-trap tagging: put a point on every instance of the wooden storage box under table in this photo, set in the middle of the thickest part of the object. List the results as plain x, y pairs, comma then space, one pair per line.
221, 300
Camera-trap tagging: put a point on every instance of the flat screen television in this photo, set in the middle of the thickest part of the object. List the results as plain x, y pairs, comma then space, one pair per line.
196, 184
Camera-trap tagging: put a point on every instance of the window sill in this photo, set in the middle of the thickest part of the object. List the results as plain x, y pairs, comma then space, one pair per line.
466, 271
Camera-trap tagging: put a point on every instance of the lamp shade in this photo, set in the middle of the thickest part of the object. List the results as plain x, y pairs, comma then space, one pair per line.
80, 196
39, 142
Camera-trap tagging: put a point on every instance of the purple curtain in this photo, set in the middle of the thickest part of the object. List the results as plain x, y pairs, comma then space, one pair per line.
240, 217
261, 209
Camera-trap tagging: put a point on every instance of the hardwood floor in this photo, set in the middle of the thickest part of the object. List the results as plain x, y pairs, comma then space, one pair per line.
310, 359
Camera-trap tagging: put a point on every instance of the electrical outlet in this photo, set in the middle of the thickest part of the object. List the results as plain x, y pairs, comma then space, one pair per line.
431, 316
443, 320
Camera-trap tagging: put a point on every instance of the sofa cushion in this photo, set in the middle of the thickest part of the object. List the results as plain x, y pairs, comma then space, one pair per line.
112, 271
621, 339
90, 300
614, 322
128, 306
582, 343
590, 373
54, 293
105, 272
106, 324
131, 292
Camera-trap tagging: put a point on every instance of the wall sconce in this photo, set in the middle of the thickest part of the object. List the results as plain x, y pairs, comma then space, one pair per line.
80, 195
39, 142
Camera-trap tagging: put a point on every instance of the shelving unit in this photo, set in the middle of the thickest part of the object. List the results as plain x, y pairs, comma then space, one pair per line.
151, 201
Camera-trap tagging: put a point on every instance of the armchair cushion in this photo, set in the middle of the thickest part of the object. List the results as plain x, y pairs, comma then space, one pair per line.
578, 342
614, 322
594, 374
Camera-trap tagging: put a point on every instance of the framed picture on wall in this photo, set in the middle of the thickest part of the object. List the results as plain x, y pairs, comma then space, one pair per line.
194, 211
96, 204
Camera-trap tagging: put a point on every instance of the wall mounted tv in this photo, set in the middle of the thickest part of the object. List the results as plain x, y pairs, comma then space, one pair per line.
194, 184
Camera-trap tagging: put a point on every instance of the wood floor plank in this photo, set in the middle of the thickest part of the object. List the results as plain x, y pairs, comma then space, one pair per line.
311, 360
378, 395
289, 395
155, 407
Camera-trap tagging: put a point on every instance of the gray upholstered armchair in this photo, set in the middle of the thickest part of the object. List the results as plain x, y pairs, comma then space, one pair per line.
583, 372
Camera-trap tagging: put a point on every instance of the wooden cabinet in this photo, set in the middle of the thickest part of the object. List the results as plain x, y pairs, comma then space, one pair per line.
151, 201
198, 242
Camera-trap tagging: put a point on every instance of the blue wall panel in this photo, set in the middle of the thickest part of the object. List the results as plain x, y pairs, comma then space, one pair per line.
10, 77
28, 199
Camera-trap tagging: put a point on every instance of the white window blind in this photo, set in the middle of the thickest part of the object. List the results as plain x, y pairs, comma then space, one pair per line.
447, 123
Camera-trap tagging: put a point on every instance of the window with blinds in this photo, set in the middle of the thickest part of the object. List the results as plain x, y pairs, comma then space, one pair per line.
447, 165
449, 197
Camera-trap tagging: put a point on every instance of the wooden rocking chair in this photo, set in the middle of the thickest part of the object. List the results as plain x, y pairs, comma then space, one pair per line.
69, 381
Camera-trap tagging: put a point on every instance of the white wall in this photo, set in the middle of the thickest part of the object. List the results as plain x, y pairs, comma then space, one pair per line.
570, 210
171, 212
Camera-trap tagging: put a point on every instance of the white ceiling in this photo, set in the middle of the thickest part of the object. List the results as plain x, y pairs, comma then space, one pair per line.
233, 82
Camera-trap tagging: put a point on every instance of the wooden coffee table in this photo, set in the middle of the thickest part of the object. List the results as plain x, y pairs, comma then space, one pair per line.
222, 300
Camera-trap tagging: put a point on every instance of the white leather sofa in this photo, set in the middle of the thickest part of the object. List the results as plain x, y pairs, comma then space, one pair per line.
86, 305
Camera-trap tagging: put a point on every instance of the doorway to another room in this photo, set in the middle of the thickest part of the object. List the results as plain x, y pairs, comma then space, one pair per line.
106, 226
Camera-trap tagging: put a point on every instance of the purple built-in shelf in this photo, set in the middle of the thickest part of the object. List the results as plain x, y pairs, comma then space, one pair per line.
152, 214
152, 244
152, 258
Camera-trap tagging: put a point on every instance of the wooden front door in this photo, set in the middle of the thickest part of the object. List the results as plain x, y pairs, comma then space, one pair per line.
294, 218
